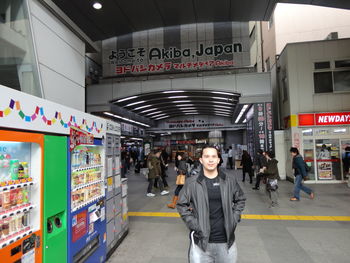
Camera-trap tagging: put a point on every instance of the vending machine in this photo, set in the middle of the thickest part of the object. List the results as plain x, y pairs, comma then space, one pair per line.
38, 221
86, 199
21, 190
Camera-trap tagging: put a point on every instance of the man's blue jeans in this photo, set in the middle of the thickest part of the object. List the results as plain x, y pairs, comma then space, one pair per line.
299, 186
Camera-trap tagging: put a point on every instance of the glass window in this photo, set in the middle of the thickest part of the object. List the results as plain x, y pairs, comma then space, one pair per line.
340, 130
342, 63
322, 65
322, 131
323, 82
308, 146
328, 159
341, 80
307, 132
18, 69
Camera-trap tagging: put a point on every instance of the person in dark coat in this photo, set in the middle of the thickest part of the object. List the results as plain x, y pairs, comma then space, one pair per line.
247, 165
260, 164
273, 176
300, 172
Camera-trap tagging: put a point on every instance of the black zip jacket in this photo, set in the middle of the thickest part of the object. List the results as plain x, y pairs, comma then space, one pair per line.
193, 206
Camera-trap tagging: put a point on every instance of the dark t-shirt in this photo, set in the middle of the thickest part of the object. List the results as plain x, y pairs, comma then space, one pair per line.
216, 213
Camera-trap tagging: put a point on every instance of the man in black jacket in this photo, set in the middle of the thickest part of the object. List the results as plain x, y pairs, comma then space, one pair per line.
211, 204
260, 163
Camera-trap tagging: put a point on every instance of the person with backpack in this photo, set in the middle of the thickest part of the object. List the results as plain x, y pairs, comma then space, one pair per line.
300, 172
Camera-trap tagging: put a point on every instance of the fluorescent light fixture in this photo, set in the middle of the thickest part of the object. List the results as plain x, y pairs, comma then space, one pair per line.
188, 108
135, 103
181, 101
159, 115
220, 98
177, 97
152, 113
222, 106
126, 119
220, 109
245, 120
185, 105
223, 93
142, 107
166, 116
221, 112
241, 113
173, 91
136, 139
339, 130
97, 5
193, 113
144, 111
122, 137
307, 131
221, 102
128, 98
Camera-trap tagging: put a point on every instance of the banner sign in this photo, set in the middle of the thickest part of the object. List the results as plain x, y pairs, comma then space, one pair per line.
324, 119
78, 137
178, 49
170, 66
269, 127
263, 126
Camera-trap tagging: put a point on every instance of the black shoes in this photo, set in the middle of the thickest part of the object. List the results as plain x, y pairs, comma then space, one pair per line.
255, 188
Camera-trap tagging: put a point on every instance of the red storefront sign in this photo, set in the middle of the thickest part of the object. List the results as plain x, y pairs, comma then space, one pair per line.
324, 119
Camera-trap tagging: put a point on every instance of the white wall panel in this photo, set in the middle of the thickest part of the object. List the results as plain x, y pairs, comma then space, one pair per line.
99, 94
61, 90
253, 84
57, 54
156, 85
125, 89
186, 83
61, 58
224, 83
55, 25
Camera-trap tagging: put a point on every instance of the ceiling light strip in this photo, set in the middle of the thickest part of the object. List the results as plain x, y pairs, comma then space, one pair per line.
126, 119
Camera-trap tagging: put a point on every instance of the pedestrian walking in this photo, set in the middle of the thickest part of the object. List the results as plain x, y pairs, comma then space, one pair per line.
247, 165
181, 169
153, 164
272, 175
260, 163
300, 172
211, 204
230, 157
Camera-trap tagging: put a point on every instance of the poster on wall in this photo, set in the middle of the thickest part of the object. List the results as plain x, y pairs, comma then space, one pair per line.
260, 126
324, 170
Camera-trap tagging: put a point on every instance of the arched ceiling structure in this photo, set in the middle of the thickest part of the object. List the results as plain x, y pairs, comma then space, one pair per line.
172, 103
119, 17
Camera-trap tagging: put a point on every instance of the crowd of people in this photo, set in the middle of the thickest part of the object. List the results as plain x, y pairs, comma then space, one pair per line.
210, 200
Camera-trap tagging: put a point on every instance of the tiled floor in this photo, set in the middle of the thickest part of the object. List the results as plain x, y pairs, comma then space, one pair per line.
165, 239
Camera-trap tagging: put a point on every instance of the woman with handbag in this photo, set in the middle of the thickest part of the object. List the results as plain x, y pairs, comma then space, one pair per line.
181, 169
272, 175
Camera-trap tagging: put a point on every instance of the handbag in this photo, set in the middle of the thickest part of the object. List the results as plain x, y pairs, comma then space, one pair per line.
180, 179
272, 184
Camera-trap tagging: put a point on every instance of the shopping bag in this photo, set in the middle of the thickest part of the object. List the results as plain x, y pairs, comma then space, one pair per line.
180, 179
144, 172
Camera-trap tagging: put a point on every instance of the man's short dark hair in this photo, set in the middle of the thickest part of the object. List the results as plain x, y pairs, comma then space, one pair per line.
209, 146
294, 150
260, 151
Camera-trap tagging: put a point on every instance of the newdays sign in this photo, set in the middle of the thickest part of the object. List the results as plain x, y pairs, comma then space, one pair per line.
324, 119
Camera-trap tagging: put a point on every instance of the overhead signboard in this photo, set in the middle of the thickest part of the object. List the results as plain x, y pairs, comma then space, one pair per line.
324, 119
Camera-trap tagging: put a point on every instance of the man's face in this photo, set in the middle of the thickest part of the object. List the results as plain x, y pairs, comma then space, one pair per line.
210, 159
293, 154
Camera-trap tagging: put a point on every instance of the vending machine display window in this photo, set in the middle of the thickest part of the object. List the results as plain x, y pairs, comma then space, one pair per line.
20, 170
